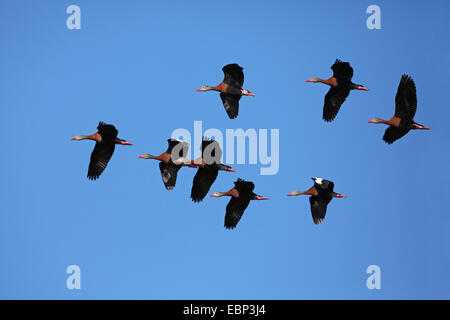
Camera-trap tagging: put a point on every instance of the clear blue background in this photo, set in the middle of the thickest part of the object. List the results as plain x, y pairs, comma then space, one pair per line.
136, 64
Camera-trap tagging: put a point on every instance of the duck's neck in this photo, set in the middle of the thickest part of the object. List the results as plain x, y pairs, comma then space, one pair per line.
185, 162
378, 120
150, 156
208, 88
222, 194
96, 137
331, 81
297, 193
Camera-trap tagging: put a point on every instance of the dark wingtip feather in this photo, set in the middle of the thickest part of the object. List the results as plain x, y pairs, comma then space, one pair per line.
407, 79
318, 221
197, 199
328, 117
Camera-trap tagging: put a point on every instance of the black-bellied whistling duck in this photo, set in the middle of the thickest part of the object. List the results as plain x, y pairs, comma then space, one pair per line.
240, 195
230, 89
208, 168
320, 195
405, 110
169, 170
106, 140
341, 84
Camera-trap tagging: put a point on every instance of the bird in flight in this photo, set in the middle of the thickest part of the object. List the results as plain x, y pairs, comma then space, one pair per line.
405, 110
241, 195
230, 89
169, 169
340, 86
208, 165
105, 142
320, 196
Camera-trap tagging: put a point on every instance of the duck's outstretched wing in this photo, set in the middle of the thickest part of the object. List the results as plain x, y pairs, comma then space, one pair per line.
100, 157
203, 180
234, 75
231, 104
179, 148
235, 210
169, 173
394, 133
211, 151
342, 71
333, 101
107, 131
318, 208
406, 99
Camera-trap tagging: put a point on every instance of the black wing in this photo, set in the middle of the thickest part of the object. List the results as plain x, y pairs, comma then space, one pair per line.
406, 99
169, 174
235, 210
394, 133
233, 75
211, 151
237, 206
318, 208
107, 131
100, 156
203, 180
231, 104
333, 101
181, 148
342, 71
245, 188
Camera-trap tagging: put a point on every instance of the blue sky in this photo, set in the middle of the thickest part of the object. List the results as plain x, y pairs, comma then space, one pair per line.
137, 65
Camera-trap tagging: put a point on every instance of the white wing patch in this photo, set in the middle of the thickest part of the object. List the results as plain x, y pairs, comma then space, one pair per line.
318, 180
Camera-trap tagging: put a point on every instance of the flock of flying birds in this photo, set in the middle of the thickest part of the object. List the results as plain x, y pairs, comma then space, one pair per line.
209, 165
